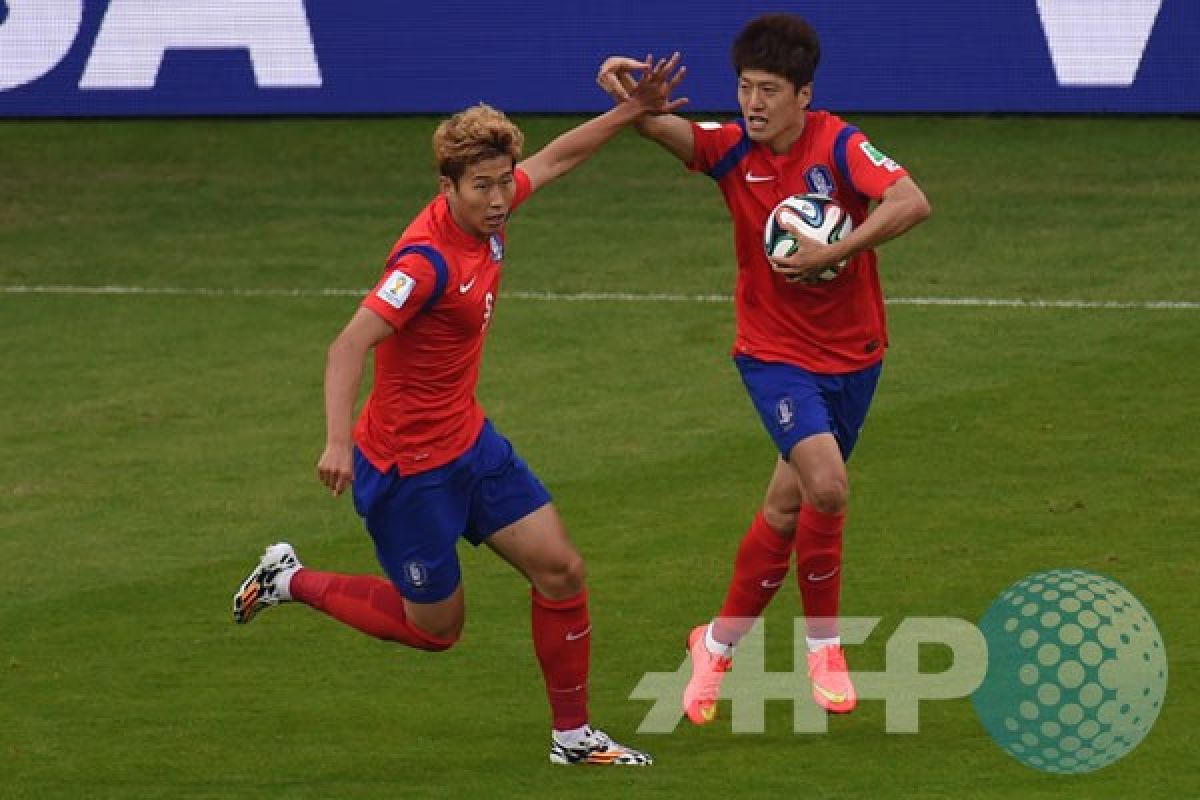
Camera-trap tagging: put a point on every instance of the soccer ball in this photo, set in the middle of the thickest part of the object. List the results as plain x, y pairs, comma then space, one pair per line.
817, 216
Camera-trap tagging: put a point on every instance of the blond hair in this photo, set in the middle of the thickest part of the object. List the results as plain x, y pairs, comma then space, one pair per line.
473, 135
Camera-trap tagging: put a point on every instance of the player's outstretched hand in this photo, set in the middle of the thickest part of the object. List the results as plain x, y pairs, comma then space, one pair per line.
336, 468
615, 76
652, 89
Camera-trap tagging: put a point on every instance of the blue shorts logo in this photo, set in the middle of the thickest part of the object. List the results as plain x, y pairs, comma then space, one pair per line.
785, 413
417, 574
819, 180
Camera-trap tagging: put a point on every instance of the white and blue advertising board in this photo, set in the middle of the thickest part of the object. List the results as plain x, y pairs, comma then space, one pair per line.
66, 58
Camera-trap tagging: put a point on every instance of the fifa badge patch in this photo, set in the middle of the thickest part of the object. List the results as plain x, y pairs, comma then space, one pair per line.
878, 158
396, 289
819, 180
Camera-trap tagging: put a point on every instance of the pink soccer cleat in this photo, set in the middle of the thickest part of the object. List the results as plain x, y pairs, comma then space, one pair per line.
708, 670
831, 686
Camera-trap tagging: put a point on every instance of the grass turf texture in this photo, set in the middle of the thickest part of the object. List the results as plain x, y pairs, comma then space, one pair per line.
154, 444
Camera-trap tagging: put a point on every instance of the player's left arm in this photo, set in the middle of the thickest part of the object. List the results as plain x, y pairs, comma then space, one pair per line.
652, 95
902, 207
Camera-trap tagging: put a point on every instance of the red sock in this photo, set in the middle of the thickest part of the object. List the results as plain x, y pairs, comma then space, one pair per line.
819, 569
760, 568
364, 602
562, 639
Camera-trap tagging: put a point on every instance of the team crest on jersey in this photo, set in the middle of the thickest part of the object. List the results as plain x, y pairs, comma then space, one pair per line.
396, 289
820, 180
497, 245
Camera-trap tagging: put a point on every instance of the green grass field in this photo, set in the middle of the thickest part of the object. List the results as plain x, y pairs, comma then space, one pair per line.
153, 443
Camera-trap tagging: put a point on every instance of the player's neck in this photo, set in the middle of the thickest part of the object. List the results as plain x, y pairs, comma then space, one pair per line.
787, 137
457, 221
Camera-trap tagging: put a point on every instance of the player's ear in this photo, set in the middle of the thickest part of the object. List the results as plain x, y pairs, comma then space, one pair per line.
804, 94
445, 185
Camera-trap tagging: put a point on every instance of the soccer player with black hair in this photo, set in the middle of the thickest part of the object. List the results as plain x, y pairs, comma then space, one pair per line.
809, 352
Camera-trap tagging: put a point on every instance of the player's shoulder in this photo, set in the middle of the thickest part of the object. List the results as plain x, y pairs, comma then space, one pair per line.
421, 259
731, 129
829, 126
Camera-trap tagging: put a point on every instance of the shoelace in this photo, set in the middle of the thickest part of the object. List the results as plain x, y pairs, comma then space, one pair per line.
710, 686
831, 658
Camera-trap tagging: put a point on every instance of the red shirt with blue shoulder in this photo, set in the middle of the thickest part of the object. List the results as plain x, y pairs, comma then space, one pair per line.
438, 292
833, 327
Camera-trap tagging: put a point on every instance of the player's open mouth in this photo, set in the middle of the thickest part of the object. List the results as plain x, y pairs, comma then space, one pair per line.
756, 122
494, 220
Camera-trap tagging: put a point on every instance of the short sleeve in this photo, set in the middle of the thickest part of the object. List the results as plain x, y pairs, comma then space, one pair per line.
871, 171
524, 187
711, 142
403, 290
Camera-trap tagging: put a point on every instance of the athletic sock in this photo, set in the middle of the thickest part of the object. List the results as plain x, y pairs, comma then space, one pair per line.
758, 572
816, 644
819, 569
562, 640
364, 602
572, 737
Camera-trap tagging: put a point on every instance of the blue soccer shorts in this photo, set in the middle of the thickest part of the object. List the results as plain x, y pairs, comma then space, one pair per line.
795, 404
417, 520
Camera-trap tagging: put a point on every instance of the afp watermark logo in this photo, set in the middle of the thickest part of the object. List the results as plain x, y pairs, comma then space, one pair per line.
748, 685
1066, 670
1077, 671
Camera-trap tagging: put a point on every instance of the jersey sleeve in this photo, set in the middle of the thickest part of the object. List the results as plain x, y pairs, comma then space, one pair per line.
869, 170
711, 142
524, 188
403, 290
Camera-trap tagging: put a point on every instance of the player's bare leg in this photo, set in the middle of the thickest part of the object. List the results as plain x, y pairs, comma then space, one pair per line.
760, 569
818, 462
538, 547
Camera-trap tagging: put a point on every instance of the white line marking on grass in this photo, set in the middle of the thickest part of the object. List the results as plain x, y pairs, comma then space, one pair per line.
623, 297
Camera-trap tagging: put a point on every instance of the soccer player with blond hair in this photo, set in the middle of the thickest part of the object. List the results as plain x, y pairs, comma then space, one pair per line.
424, 463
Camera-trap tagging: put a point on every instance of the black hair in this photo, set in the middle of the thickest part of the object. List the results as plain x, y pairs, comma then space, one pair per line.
782, 44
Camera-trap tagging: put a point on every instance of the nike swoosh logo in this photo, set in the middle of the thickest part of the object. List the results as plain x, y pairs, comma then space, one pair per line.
769, 585
463, 288
832, 697
752, 178
574, 636
818, 578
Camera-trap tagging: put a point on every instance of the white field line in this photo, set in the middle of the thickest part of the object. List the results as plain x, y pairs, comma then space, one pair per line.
623, 297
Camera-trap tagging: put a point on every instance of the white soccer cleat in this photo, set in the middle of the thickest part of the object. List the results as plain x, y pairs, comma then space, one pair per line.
598, 749
263, 586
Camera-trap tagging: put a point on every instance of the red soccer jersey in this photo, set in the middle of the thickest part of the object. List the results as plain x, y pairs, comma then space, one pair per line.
422, 412
832, 327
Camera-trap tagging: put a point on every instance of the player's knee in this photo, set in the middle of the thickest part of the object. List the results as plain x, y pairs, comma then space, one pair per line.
437, 637
829, 495
780, 520
562, 579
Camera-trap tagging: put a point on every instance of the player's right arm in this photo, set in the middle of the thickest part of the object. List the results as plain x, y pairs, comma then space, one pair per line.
343, 378
671, 132
399, 296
